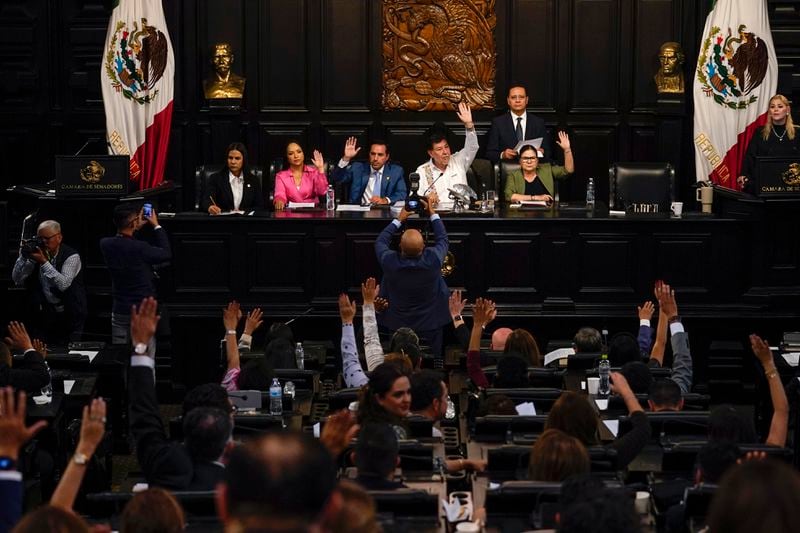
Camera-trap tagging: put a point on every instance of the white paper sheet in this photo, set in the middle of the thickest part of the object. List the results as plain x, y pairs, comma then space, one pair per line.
791, 358
561, 353
536, 143
88, 353
526, 409
353, 208
296, 205
68, 384
613, 426
601, 404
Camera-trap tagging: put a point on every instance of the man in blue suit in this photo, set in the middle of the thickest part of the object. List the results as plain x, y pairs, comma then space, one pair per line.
510, 128
378, 182
412, 280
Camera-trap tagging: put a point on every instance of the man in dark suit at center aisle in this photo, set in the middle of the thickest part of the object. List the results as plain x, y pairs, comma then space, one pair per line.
516, 125
379, 182
412, 279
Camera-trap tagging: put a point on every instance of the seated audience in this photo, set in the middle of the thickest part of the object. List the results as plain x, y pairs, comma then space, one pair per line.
587, 340
150, 511
623, 348
53, 275
194, 464
30, 374
522, 343
279, 482
499, 339
512, 372
300, 182
535, 180
664, 395
608, 511
757, 496
233, 188
556, 456
682, 357
386, 398
376, 457
638, 376
52, 519
574, 415
357, 513
256, 374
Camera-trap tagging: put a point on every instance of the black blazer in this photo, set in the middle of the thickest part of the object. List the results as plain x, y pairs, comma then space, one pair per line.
503, 135
29, 374
165, 463
219, 187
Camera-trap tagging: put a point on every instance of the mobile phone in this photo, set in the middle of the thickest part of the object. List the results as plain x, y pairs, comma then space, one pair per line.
148, 210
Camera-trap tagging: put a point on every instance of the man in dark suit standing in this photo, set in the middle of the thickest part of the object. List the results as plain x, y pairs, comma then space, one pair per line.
233, 188
412, 279
510, 128
379, 182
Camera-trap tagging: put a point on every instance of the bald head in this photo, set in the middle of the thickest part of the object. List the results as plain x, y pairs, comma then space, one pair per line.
499, 338
412, 243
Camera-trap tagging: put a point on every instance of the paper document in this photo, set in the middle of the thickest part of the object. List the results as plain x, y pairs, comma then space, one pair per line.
526, 409
536, 143
613, 426
353, 208
533, 203
561, 353
300, 205
791, 358
90, 354
68, 384
601, 404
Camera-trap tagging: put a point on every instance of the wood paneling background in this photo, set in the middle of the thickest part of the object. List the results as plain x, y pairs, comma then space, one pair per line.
313, 74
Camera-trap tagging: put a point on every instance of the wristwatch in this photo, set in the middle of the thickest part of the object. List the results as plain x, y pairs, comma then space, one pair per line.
7, 463
80, 459
458, 318
140, 348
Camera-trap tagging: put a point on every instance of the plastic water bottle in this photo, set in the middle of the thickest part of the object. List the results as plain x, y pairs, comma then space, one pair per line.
450, 414
289, 389
590, 194
605, 371
330, 199
47, 390
300, 356
275, 398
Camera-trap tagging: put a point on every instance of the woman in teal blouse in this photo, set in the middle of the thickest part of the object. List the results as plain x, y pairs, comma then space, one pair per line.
534, 180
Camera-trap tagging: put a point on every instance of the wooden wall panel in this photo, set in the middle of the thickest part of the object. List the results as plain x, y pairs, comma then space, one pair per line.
595, 56
532, 54
345, 49
23, 64
284, 56
652, 28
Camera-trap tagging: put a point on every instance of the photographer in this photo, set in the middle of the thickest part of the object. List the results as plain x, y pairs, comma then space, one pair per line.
52, 273
412, 279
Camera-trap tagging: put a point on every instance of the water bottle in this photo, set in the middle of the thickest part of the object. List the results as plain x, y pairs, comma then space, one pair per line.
47, 390
590, 194
289, 389
275, 398
330, 199
604, 370
300, 356
450, 414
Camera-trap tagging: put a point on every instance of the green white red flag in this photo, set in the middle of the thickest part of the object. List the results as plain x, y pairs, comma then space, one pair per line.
137, 73
737, 73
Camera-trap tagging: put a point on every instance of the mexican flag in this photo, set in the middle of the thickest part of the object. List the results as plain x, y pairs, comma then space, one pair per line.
137, 76
737, 73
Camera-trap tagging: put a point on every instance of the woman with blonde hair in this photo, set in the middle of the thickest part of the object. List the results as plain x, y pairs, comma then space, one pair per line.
778, 137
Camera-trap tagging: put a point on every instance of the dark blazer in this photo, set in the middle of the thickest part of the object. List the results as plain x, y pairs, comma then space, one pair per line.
219, 187
414, 286
29, 374
165, 463
357, 174
130, 262
11, 496
503, 135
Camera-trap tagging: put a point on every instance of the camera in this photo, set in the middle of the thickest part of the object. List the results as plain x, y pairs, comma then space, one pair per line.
31, 246
413, 200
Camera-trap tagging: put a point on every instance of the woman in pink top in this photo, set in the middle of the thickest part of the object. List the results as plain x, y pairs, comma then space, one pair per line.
300, 182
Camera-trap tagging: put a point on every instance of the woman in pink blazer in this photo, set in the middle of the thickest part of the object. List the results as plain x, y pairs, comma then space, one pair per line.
300, 182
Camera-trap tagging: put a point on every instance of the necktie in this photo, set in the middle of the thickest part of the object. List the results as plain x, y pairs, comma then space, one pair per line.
519, 129
375, 188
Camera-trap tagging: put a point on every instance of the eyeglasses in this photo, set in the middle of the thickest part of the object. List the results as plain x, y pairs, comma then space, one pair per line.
45, 239
528, 159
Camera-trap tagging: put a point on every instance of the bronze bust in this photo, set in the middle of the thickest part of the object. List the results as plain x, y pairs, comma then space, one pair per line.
224, 83
669, 78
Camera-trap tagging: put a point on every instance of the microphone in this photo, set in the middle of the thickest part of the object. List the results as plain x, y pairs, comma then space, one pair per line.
298, 316
432, 184
89, 140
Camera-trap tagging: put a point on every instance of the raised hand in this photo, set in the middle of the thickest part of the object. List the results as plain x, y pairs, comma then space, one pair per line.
465, 114
666, 300
483, 311
318, 161
144, 320
40, 347
455, 303
563, 140
381, 304
253, 321
13, 433
351, 149
369, 290
18, 336
646, 310
347, 309
762, 352
231, 315
93, 427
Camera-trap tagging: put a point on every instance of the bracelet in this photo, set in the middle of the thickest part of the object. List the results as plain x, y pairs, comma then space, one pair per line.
230, 332
458, 318
568, 150
772, 373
